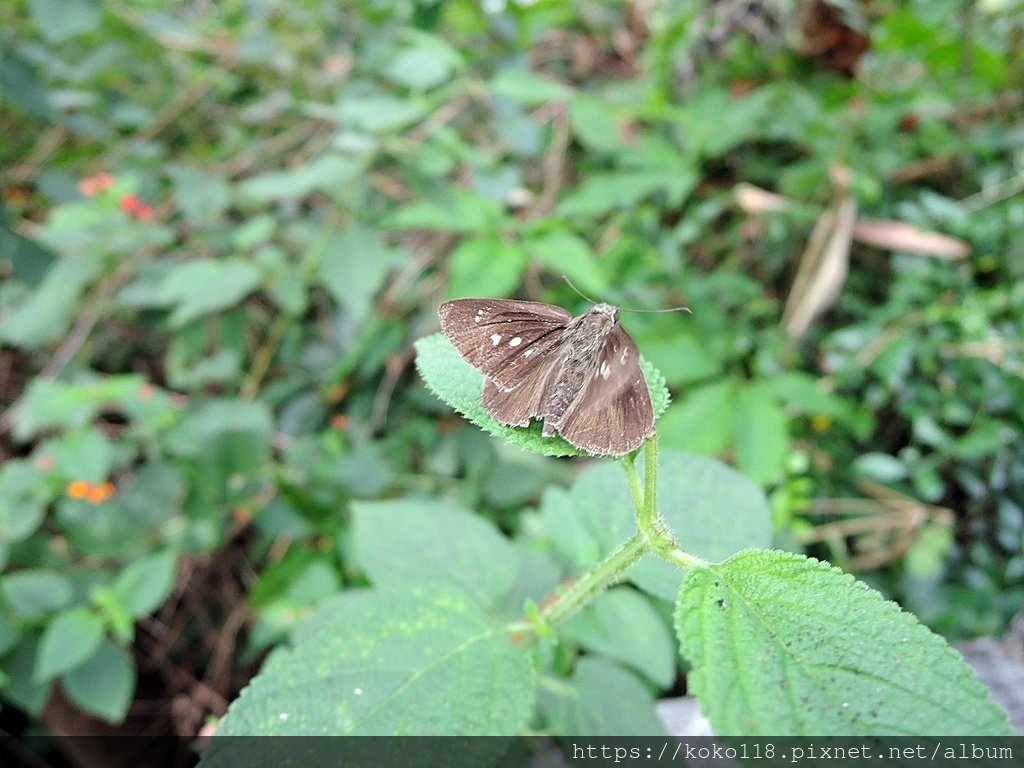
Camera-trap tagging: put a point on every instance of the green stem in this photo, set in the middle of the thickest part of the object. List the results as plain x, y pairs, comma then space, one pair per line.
592, 583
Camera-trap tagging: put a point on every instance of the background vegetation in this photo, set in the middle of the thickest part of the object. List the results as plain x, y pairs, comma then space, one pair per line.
224, 224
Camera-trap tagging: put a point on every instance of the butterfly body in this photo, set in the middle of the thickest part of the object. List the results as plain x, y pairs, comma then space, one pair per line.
581, 374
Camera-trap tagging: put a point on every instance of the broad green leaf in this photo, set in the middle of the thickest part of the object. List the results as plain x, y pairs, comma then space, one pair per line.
378, 113
202, 197
104, 685
69, 639
449, 544
35, 592
82, 454
782, 644
198, 288
20, 85
761, 435
600, 699
427, 63
327, 173
59, 20
567, 254
143, 586
484, 266
605, 192
596, 124
712, 510
48, 403
20, 687
701, 420
458, 211
45, 315
461, 386
23, 498
412, 661
527, 87
623, 625
353, 268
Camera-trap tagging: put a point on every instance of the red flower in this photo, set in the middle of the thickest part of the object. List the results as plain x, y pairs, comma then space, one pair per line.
135, 208
91, 186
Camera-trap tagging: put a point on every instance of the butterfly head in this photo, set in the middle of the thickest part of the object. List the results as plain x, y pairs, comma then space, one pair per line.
607, 314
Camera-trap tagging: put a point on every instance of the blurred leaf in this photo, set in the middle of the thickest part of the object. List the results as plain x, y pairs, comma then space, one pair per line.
19, 83
528, 87
45, 315
409, 661
450, 544
600, 699
426, 63
484, 266
198, 288
458, 211
378, 113
761, 436
833, 657
104, 685
461, 386
702, 420
567, 254
81, 454
354, 267
51, 404
601, 193
326, 173
59, 20
20, 687
143, 586
202, 197
623, 625
880, 467
70, 638
33, 592
23, 499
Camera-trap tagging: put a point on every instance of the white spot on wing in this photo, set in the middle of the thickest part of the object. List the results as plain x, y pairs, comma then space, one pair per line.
623, 356
528, 352
515, 341
495, 339
605, 370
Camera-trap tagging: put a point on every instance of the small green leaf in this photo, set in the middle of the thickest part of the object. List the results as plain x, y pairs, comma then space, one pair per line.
600, 699
784, 644
411, 661
35, 592
605, 192
881, 467
200, 288
69, 639
527, 87
461, 386
450, 544
20, 686
82, 454
623, 625
60, 20
326, 173
104, 685
143, 586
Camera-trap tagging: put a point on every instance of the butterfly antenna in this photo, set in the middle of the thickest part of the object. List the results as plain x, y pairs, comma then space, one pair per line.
581, 293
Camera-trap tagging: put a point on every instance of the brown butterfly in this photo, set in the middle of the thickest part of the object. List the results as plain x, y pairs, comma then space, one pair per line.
581, 375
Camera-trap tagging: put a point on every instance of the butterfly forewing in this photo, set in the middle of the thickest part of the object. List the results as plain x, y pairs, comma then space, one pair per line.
516, 407
613, 413
505, 339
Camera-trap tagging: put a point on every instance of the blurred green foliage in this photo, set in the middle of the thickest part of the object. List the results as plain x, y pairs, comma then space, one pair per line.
223, 328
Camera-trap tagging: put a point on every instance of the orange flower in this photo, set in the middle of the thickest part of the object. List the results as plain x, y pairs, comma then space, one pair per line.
99, 493
91, 186
78, 489
135, 208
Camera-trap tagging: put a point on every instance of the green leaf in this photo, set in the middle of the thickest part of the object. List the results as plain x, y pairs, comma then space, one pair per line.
45, 315
60, 20
82, 454
567, 254
353, 268
605, 192
623, 625
32, 593
23, 499
412, 661
600, 699
484, 266
461, 386
378, 113
326, 173
21, 687
701, 421
761, 436
199, 288
449, 544
782, 644
143, 586
69, 639
527, 87
104, 685
881, 467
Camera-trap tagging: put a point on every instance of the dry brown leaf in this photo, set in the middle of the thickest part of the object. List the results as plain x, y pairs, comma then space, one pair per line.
754, 200
901, 236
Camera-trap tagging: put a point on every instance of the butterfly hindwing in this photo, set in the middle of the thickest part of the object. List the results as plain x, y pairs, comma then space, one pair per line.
505, 339
613, 412
516, 407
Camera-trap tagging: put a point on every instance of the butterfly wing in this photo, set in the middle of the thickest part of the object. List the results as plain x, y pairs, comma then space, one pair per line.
515, 407
506, 339
613, 414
